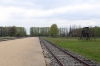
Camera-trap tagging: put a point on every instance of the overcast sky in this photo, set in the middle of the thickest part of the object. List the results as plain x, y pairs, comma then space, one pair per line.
41, 13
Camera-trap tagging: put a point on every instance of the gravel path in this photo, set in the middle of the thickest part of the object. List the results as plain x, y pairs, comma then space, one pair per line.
21, 52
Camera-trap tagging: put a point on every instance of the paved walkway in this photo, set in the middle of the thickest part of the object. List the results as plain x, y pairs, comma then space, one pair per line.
21, 52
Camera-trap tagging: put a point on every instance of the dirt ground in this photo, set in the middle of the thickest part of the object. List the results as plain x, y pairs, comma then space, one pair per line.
21, 52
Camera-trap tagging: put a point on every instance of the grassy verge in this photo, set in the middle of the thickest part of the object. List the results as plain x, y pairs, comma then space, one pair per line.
89, 49
6, 38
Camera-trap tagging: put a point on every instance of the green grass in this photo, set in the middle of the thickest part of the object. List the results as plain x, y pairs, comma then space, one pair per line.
6, 38
89, 49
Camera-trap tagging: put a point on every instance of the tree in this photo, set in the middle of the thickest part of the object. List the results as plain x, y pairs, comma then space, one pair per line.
1, 31
5, 31
97, 31
13, 31
21, 31
31, 31
54, 30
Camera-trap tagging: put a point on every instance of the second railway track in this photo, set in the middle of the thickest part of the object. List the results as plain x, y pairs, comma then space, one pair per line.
64, 58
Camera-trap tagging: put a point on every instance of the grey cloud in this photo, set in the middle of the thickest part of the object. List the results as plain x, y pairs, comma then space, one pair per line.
84, 17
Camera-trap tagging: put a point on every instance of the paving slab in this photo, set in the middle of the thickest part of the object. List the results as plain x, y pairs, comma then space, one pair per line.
21, 52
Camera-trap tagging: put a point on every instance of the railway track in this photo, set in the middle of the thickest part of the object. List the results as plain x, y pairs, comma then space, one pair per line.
64, 57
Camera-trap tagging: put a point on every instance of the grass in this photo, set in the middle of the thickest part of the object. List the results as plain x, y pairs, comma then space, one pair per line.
89, 49
6, 38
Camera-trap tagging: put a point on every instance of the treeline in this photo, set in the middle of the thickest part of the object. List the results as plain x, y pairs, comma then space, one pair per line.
39, 31
45, 31
48, 31
75, 31
54, 31
12, 31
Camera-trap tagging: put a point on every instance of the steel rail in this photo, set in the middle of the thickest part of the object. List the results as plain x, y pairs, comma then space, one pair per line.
69, 54
60, 63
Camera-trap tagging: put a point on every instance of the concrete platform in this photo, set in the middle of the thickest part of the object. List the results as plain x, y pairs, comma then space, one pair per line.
21, 52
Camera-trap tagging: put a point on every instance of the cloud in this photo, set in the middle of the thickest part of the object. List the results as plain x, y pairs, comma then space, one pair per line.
61, 10
9, 11
7, 1
6, 12
36, 13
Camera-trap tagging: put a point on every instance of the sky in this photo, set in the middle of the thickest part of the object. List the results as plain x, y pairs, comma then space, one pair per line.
44, 13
